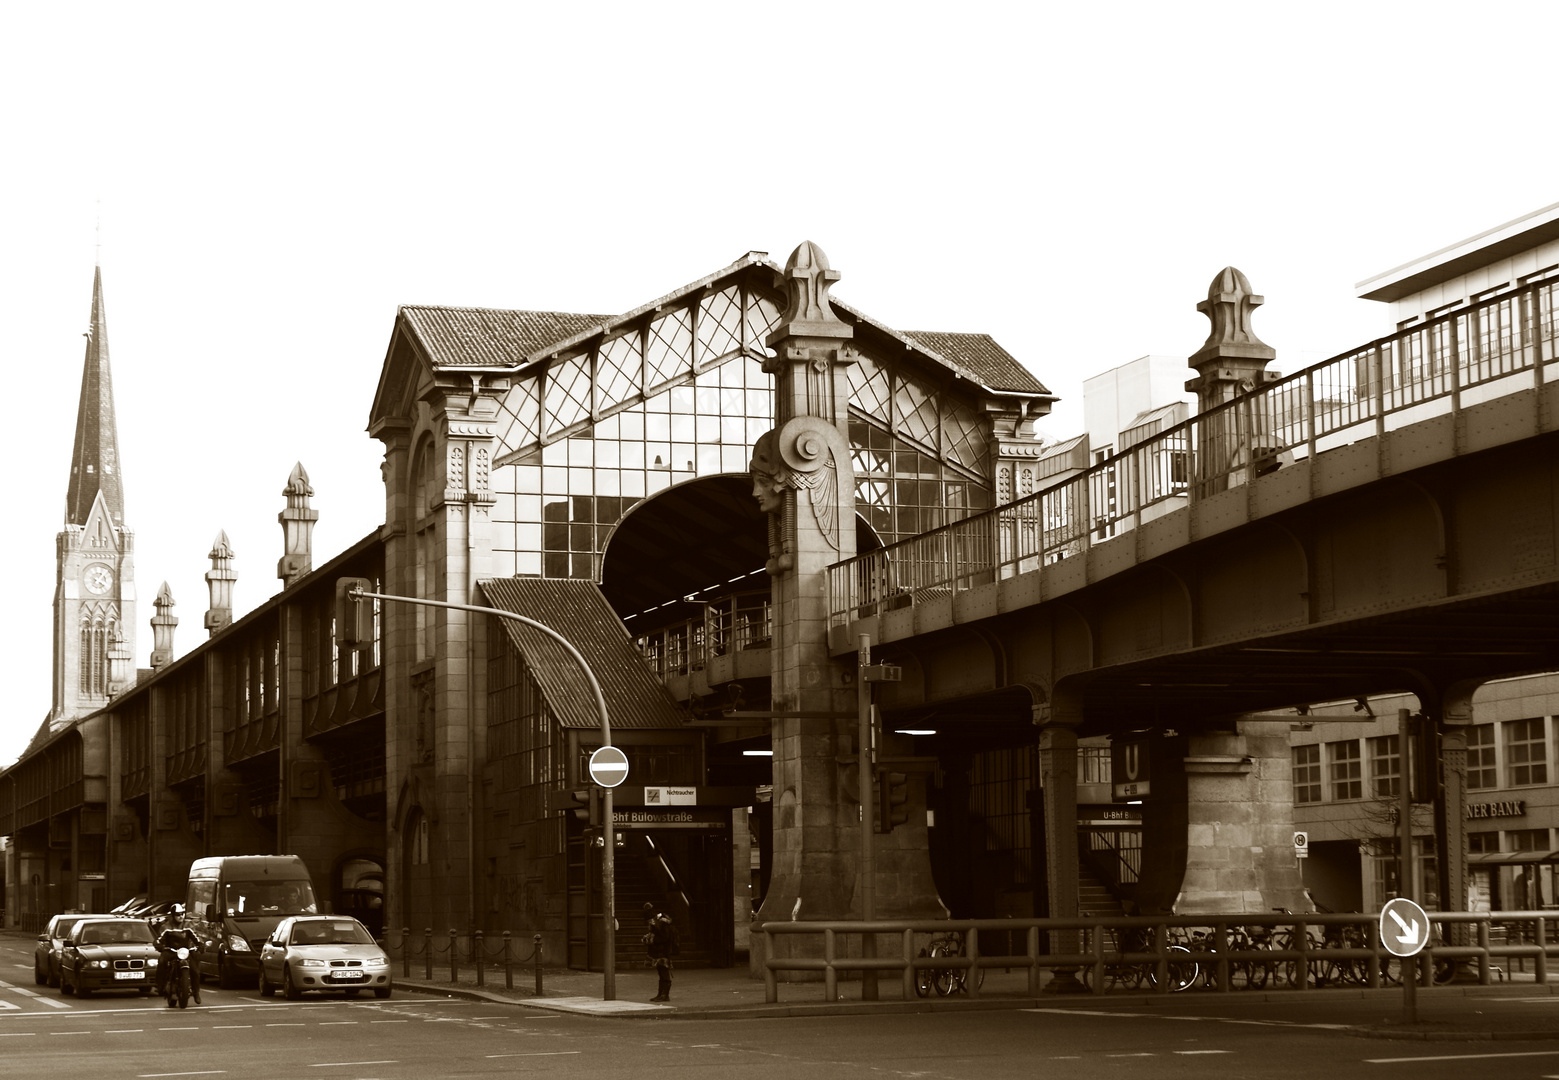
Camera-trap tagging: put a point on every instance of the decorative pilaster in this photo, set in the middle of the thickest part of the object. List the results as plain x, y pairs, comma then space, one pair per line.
220, 580
162, 628
297, 523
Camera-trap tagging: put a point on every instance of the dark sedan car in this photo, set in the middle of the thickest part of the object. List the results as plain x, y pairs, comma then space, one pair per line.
108, 954
46, 957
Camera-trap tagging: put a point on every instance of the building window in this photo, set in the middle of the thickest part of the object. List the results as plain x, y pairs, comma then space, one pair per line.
1481, 774
1479, 842
1526, 752
1385, 766
1527, 839
1307, 773
1346, 770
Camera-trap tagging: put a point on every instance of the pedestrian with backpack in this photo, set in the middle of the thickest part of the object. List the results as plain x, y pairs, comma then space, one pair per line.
660, 941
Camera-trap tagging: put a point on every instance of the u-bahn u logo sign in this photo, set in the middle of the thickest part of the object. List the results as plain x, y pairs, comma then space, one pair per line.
1129, 770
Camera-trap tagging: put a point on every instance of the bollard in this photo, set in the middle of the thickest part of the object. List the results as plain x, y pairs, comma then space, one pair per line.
537, 940
508, 968
427, 944
454, 955
481, 957
406, 952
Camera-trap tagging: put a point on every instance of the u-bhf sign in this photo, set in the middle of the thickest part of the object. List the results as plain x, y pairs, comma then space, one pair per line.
671, 796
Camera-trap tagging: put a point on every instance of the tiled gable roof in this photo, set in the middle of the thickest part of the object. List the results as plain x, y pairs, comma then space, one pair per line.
635, 698
979, 354
489, 337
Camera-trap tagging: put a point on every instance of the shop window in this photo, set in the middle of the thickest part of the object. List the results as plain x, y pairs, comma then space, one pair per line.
1346, 770
1481, 773
1526, 752
1307, 773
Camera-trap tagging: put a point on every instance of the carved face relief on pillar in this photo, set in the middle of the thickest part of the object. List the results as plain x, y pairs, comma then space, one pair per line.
770, 477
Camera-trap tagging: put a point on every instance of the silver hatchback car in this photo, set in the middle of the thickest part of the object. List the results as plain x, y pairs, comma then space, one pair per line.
332, 953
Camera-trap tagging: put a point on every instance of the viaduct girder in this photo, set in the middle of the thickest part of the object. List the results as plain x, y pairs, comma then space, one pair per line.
1330, 578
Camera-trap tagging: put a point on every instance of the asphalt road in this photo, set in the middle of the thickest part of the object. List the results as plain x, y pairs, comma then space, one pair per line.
239, 1035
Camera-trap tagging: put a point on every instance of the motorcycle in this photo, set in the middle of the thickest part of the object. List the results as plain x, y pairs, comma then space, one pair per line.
176, 986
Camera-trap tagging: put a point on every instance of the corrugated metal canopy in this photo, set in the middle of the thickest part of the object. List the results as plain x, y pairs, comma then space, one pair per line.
635, 699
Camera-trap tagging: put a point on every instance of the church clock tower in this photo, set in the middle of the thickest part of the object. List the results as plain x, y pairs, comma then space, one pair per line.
94, 595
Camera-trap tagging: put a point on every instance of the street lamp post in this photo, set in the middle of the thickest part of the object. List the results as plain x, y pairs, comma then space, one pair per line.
358, 592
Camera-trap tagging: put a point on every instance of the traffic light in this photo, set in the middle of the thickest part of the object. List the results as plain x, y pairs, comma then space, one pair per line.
354, 617
1424, 745
587, 806
892, 800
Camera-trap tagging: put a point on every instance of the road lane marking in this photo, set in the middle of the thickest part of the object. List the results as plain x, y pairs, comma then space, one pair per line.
285, 1025
1459, 1057
125, 1031
1201, 1051
389, 1021
339, 1064
179, 1029
207, 1072
15, 1034
539, 1053
335, 1023
78, 1032
230, 1027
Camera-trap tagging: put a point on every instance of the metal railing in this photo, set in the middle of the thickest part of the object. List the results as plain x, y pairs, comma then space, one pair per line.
1304, 947
729, 624
476, 956
1495, 347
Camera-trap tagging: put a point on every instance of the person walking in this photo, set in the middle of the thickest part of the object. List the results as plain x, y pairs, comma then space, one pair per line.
660, 940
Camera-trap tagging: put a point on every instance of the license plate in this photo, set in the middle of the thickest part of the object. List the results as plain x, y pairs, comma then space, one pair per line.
129, 974
345, 976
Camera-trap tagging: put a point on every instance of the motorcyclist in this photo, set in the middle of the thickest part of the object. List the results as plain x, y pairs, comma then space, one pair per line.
175, 935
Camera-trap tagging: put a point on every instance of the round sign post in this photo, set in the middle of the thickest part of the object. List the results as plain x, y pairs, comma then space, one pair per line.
1404, 931
608, 768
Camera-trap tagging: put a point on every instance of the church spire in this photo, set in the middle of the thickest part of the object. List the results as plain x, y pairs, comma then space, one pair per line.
94, 465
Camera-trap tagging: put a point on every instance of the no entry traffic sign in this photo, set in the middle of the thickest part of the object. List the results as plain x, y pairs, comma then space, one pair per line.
608, 766
1404, 928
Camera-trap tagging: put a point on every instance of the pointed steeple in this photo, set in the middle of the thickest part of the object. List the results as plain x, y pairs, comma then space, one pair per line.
94, 463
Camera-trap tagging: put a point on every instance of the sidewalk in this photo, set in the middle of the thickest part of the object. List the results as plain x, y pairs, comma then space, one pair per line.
1505, 1011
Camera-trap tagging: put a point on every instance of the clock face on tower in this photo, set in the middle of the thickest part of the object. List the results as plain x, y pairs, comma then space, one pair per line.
98, 578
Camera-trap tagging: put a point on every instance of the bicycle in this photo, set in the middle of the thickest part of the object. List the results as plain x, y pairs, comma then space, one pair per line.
945, 980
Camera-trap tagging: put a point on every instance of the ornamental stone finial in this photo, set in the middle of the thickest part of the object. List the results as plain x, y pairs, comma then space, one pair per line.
1233, 360
808, 277
1228, 306
162, 628
220, 580
297, 523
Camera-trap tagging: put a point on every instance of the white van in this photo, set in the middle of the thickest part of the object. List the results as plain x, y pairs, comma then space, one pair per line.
233, 904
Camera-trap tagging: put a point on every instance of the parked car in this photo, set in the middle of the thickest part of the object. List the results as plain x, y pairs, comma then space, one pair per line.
323, 952
107, 953
46, 957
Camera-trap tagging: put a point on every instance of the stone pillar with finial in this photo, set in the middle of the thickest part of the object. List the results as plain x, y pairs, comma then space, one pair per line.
1232, 362
162, 628
804, 480
297, 523
220, 579
1238, 801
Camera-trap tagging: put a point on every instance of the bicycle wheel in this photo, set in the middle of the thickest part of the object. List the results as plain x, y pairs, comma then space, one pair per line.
923, 978
944, 979
1182, 972
1110, 977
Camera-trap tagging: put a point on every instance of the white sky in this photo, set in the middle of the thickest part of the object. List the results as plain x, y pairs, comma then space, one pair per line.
274, 180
